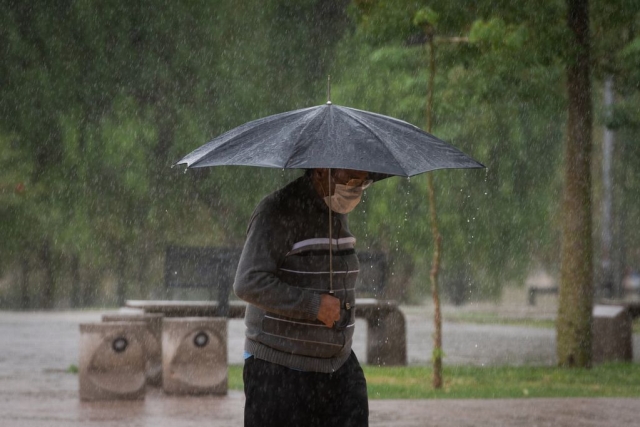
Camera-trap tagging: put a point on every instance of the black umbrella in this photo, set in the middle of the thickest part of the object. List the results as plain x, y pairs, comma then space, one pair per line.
331, 136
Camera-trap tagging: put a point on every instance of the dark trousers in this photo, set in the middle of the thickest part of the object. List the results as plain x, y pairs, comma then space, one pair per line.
279, 396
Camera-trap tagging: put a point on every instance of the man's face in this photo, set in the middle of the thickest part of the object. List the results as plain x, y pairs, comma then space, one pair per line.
339, 176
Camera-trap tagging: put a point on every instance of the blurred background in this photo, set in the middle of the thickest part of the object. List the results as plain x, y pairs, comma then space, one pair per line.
99, 99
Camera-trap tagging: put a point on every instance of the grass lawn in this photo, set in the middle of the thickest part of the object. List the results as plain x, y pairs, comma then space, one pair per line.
463, 382
495, 319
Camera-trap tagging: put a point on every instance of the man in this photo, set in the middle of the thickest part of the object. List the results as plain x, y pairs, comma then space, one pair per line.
299, 367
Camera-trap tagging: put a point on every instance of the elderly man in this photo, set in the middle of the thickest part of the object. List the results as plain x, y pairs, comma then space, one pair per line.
299, 366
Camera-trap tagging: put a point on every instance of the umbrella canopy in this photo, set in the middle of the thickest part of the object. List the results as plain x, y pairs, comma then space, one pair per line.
331, 136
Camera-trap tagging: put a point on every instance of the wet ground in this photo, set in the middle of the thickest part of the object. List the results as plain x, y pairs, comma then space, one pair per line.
36, 390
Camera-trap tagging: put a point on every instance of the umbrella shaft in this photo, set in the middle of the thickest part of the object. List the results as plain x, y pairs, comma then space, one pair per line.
330, 240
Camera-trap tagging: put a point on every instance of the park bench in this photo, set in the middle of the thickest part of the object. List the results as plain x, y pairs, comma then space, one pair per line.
533, 291
214, 269
632, 307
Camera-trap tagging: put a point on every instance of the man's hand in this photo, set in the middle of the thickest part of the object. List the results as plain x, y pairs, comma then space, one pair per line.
329, 310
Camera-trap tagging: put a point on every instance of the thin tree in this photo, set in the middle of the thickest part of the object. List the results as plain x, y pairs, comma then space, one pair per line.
426, 19
576, 281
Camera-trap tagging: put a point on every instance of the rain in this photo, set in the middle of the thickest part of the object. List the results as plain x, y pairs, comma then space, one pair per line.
538, 273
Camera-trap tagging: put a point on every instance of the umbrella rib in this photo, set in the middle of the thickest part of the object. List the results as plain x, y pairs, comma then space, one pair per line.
377, 137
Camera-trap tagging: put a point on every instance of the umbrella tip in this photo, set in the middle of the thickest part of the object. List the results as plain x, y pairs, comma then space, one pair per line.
328, 89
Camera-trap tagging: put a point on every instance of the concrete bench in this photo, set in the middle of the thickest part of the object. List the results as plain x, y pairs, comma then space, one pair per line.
613, 329
612, 333
386, 327
632, 307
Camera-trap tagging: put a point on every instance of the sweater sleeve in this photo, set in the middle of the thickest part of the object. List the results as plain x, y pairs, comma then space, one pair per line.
256, 280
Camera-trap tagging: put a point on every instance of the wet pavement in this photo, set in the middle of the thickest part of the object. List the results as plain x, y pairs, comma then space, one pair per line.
38, 347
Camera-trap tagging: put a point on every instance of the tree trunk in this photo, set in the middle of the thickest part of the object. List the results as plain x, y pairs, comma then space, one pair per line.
25, 297
121, 288
75, 281
435, 270
576, 281
48, 292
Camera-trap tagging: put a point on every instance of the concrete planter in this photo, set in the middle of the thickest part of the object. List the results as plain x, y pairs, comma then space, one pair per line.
151, 340
194, 355
112, 361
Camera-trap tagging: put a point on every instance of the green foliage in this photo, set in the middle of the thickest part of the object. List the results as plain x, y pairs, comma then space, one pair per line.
437, 353
488, 112
495, 35
426, 18
104, 97
500, 96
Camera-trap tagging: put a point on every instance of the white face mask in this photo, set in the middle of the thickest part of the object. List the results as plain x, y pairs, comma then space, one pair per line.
345, 198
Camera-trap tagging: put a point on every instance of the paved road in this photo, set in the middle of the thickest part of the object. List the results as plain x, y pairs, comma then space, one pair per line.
37, 348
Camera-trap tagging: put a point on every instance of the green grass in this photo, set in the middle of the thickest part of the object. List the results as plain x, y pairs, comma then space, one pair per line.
465, 382
495, 319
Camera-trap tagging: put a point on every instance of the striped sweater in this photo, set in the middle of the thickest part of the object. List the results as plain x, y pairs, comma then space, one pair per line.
284, 268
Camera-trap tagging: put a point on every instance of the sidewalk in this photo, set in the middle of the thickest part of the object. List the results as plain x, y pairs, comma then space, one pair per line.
38, 347
58, 408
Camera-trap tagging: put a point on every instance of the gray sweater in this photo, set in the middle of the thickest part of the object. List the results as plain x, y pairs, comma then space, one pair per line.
284, 268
